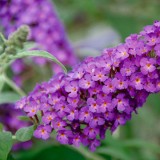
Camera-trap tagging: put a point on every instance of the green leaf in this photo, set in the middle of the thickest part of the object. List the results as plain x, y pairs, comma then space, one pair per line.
8, 97
5, 144
45, 151
25, 134
27, 46
114, 152
24, 118
39, 53
10, 157
1, 82
2, 39
137, 143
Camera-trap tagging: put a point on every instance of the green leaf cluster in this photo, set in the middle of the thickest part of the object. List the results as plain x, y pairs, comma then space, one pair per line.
5, 144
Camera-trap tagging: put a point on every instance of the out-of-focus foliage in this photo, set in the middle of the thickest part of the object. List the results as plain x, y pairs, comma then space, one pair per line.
127, 16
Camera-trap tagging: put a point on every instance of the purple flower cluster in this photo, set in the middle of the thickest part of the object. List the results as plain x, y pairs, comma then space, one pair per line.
99, 94
46, 29
9, 119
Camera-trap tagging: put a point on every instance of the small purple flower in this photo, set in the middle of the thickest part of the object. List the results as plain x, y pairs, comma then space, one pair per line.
149, 29
45, 107
109, 116
143, 49
58, 124
95, 121
122, 52
106, 104
48, 117
120, 82
91, 132
77, 141
141, 97
63, 136
99, 75
79, 74
93, 105
109, 86
86, 82
150, 86
73, 101
72, 88
147, 65
85, 115
158, 85
21, 103
95, 90
43, 132
120, 102
121, 120
32, 109
157, 50
61, 109
137, 81
94, 145
152, 39
54, 100
72, 114
128, 68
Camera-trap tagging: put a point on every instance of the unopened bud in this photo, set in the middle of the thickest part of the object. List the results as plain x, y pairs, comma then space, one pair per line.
18, 38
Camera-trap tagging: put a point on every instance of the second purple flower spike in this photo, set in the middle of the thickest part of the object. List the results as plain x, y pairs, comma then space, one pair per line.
46, 29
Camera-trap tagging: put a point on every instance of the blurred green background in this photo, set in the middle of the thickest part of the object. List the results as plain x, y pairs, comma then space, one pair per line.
108, 22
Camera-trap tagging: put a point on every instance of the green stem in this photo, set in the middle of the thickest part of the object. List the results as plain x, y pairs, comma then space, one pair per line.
117, 133
14, 86
14, 137
1, 82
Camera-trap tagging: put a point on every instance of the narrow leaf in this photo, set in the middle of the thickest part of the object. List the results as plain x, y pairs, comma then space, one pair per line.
2, 39
39, 53
5, 144
25, 134
24, 118
1, 82
136, 143
114, 152
8, 97
28, 46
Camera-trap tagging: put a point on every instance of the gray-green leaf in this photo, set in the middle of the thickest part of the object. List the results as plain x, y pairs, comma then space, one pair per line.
1, 82
27, 46
25, 134
2, 41
5, 144
8, 97
39, 53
